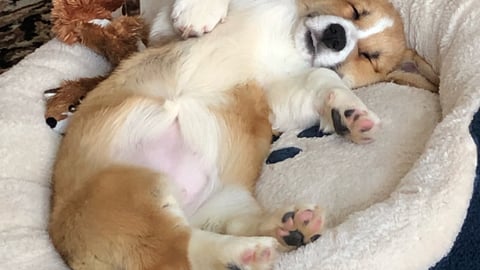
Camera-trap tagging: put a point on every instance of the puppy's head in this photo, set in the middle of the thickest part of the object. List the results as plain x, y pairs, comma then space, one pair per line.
363, 40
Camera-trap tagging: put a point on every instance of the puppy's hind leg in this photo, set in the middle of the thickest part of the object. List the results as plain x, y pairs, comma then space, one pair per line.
229, 203
234, 250
128, 218
124, 218
233, 210
208, 250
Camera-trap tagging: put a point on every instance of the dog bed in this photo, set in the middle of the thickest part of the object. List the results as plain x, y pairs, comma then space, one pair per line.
397, 203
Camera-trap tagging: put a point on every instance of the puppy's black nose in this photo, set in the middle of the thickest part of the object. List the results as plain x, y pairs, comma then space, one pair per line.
51, 122
334, 37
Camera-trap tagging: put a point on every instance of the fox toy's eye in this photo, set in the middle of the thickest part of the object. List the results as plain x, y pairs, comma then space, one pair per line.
313, 14
72, 108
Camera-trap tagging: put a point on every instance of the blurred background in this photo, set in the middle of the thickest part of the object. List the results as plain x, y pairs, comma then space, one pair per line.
25, 25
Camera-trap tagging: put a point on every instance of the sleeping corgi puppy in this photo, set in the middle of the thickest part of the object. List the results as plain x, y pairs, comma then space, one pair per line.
159, 164
382, 56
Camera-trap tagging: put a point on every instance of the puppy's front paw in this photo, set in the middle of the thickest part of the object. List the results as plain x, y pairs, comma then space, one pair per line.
192, 18
299, 225
346, 115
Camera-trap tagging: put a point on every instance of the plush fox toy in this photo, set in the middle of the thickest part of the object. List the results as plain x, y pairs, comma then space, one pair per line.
62, 102
92, 24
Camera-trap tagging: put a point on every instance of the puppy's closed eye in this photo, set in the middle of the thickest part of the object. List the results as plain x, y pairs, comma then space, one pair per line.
373, 59
370, 56
358, 14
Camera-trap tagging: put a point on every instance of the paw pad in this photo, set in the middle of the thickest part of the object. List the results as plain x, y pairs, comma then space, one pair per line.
300, 227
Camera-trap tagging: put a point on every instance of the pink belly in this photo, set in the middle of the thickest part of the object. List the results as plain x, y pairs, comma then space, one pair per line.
169, 154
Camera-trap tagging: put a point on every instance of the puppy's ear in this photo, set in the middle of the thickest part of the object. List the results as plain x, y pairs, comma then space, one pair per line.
415, 71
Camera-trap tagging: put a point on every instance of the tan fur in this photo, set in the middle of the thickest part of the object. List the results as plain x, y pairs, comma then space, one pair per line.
249, 135
425, 78
105, 224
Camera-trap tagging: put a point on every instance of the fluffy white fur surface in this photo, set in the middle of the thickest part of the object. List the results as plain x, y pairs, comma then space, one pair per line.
395, 204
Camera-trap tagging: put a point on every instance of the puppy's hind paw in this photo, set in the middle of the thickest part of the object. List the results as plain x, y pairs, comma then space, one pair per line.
298, 225
256, 253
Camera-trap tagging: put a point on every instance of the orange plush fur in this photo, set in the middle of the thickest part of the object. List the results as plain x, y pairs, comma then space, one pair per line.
80, 22
70, 15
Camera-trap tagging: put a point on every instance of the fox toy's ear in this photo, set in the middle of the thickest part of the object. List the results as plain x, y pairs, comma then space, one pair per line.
50, 93
415, 71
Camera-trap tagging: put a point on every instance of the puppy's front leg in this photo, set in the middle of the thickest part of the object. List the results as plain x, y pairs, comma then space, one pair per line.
196, 18
301, 101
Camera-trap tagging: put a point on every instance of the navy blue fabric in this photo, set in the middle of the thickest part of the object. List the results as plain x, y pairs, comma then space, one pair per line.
290, 152
312, 132
465, 254
282, 154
